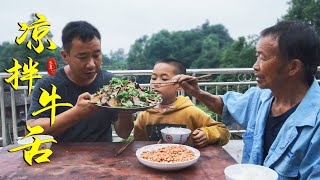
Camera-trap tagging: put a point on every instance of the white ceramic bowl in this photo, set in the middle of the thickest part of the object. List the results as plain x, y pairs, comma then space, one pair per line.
166, 166
249, 172
29, 140
175, 135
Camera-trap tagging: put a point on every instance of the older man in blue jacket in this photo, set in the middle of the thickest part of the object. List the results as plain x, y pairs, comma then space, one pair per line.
282, 116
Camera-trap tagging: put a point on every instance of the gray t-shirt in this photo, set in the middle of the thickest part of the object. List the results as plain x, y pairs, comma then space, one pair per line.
96, 128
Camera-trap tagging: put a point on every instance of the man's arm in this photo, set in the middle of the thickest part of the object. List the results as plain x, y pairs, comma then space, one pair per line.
139, 131
213, 102
68, 118
190, 85
124, 125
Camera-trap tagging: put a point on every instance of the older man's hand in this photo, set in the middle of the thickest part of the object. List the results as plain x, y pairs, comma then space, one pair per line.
188, 83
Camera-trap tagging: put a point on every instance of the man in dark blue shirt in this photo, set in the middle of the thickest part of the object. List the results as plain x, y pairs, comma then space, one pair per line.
80, 77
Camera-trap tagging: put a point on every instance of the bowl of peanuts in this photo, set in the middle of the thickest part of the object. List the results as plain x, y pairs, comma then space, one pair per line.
167, 156
175, 135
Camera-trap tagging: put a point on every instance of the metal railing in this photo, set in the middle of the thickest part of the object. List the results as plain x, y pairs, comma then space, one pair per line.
244, 81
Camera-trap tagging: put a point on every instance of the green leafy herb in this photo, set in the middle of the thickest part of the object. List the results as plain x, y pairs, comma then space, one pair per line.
125, 93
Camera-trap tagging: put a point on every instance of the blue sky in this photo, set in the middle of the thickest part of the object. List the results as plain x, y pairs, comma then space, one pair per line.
121, 22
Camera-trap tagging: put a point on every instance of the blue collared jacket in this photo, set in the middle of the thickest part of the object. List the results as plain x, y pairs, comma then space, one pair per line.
295, 153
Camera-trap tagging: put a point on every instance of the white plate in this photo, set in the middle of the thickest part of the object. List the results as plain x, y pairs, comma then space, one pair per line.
166, 166
127, 109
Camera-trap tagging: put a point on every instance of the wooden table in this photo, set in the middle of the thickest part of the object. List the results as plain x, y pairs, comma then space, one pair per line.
96, 160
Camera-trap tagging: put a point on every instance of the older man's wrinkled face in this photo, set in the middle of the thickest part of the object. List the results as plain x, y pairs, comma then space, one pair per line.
270, 70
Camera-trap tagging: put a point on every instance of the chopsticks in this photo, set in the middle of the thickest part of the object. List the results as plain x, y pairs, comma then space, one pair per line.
123, 147
204, 76
168, 83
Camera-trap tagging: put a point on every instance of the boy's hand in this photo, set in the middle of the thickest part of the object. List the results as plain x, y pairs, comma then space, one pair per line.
199, 138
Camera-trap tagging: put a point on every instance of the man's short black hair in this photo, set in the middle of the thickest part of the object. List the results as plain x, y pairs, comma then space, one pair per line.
297, 40
179, 66
78, 29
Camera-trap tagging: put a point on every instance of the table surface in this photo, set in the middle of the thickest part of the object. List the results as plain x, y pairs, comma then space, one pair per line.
96, 160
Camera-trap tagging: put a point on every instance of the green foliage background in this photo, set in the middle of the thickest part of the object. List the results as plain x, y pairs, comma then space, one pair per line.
205, 46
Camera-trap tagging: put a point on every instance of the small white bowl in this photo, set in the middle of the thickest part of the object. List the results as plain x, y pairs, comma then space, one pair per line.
175, 135
29, 140
249, 171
